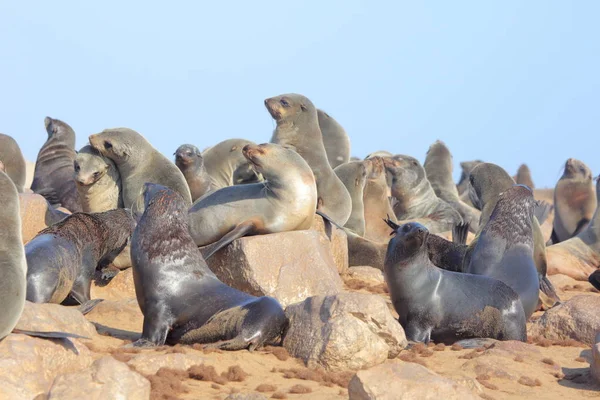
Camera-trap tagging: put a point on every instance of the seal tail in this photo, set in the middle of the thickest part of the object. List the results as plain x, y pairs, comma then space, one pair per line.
542, 210
594, 279
460, 232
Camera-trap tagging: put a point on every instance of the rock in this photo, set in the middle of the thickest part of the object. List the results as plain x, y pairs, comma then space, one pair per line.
369, 275
572, 258
54, 317
33, 209
559, 281
402, 380
119, 287
122, 319
107, 378
149, 362
336, 238
344, 331
246, 396
577, 319
595, 366
288, 266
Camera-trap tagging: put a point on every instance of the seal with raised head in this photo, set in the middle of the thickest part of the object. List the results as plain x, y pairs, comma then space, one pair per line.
574, 201
463, 182
181, 299
98, 181
298, 127
285, 201
227, 166
190, 162
438, 168
138, 162
53, 175
414, 197
377, 203
14, 162
354, 175
523, 176
444, 306
335, 139
62, 258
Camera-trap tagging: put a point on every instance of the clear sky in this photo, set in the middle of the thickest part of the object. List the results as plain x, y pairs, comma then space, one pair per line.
503, 81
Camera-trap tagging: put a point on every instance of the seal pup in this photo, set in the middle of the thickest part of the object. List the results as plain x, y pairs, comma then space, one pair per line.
53, 174
138, 162
62, 258
181, 299
190, 162
227, 166
377, 204
523, 176
353, 175
574, 201
98, 181
504, 247
298, 127
14, 162
415, 198
444, 306
335, 139
285, 201
463, 182
438, 169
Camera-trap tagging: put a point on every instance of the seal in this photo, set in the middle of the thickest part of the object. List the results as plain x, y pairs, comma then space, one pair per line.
190, 162
14, 162
13, 284
444, 306
438, 169
226, 164
377, 203
504, 247
285, 201
62, 258
415, 198
138, 162
298, 127
181, 299
98, 181
354, 176
523, 176
53, 174
574, 201
463, 182
335, 139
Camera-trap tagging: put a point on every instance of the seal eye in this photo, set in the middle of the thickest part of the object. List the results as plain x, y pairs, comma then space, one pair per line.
107, 145
471, 179
284, 103
96, 175
77, 168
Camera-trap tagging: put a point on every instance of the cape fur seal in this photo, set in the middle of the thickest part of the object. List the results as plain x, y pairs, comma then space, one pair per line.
574, 201
14, 162
523, 176
377, 203
138, 162
446, 306
354, 176
226, 164
53, 175
438, 169
98, 181
414, 197
298, 127
62, 258
285, 201
181, 299
463, 182
190, 162
13, 284
335, 139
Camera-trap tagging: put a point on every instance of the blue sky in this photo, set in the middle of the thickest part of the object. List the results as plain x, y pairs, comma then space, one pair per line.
504, 81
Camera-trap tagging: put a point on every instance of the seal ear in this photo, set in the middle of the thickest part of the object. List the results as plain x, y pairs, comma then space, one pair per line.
303, 107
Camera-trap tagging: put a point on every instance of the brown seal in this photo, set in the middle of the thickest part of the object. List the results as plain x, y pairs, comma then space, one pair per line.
53, 175
98, 181
463, 182
523, 176
14, 162
190, 162
574, 201
377, 203
335, 139
285, 201
226, 164
438, 167
298, 127
354, 175
138, 162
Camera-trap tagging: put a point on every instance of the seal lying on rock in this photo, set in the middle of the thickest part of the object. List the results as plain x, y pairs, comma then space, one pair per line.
444, 306
62, 258
190, 162
181, 299
285, 201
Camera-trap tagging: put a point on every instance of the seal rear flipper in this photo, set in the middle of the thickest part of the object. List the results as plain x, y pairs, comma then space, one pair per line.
460, 232
239, 231
328, 218
89, 305
54, 216
542, 210
49, 334
548, 296
594, 279
237, 343
475, 343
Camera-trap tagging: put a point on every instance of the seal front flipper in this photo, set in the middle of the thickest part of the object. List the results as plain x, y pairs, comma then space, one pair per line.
50, 334
548, 295
594, 279
89, 305
460, 232
158, 321
239, 231
541, 210
417, 333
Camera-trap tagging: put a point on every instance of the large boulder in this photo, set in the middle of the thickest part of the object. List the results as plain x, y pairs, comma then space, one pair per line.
336, 239
368, 275
107, 378
288, 266
595, 366
344, 331
398, 380
577, 319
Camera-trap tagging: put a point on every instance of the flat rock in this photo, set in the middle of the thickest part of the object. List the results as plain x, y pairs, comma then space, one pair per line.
344, 331
107, 378
368, 275
577, 319
149, 362
336, 239
118, 288
33, 209
288, 266
595, 366
400, 380
559, 281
